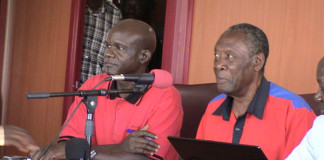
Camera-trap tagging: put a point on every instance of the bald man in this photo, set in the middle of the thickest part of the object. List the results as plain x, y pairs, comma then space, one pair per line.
311, 147
127, 126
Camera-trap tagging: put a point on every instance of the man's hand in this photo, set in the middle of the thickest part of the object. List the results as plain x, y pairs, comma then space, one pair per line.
55, 151
20, 138
139, 142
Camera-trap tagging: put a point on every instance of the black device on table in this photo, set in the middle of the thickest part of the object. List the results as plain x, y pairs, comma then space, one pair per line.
194, 149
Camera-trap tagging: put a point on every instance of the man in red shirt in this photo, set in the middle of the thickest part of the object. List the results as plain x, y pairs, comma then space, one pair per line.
125, 124
252, 110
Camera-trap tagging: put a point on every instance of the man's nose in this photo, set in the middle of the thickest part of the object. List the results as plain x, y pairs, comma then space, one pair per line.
109, 53
318, 96
220, 65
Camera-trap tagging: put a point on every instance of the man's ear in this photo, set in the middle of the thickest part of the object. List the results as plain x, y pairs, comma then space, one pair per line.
145, 56
259, 60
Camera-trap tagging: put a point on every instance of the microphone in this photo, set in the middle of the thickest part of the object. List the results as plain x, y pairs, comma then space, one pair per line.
77, 148
157, 77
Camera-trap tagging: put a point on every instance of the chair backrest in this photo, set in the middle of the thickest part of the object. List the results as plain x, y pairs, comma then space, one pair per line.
309, 98
195, 99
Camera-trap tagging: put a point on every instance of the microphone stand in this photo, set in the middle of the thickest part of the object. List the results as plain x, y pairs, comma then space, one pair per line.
91, 103
90, 100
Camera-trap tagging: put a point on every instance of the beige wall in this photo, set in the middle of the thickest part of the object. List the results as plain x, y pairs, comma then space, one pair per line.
295, 29
39, 44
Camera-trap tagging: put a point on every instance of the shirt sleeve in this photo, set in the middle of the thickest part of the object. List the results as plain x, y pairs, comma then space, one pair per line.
299, 121
166, 120
76, 126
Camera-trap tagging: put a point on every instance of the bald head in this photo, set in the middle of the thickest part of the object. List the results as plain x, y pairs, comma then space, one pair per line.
130, 46
145, 33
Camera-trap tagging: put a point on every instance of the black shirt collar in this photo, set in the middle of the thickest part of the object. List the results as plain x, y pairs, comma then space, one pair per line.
256, 106
131, 98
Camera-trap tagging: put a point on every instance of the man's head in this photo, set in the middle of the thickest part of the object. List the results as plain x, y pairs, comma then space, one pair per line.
130, 45
319, 96
240, 56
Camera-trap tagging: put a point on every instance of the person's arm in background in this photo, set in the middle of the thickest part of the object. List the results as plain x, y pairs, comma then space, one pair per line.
18, 137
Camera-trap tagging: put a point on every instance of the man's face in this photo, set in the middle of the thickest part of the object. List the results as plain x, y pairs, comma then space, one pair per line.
232, 64
319, 96
122, 53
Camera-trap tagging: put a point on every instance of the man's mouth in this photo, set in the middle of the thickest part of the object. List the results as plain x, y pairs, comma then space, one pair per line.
110, 64
221, 80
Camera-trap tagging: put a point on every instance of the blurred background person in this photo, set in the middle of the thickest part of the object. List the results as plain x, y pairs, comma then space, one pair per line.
100, 16
311, 147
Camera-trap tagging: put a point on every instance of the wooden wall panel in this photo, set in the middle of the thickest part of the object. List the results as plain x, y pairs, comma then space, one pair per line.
295, 29
39, 55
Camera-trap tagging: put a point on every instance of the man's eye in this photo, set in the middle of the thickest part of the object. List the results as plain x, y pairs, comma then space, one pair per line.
108, 46
120, 48
229, 56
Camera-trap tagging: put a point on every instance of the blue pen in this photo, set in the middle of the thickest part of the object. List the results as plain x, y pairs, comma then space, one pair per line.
131, 131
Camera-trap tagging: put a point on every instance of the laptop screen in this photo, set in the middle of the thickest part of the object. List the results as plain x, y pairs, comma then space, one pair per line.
194, 149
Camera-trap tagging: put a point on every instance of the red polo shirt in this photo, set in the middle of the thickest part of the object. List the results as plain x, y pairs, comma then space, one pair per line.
276, 120
161, 109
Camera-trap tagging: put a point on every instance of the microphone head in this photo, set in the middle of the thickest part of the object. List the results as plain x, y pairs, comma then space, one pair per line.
162, 78
77, 148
